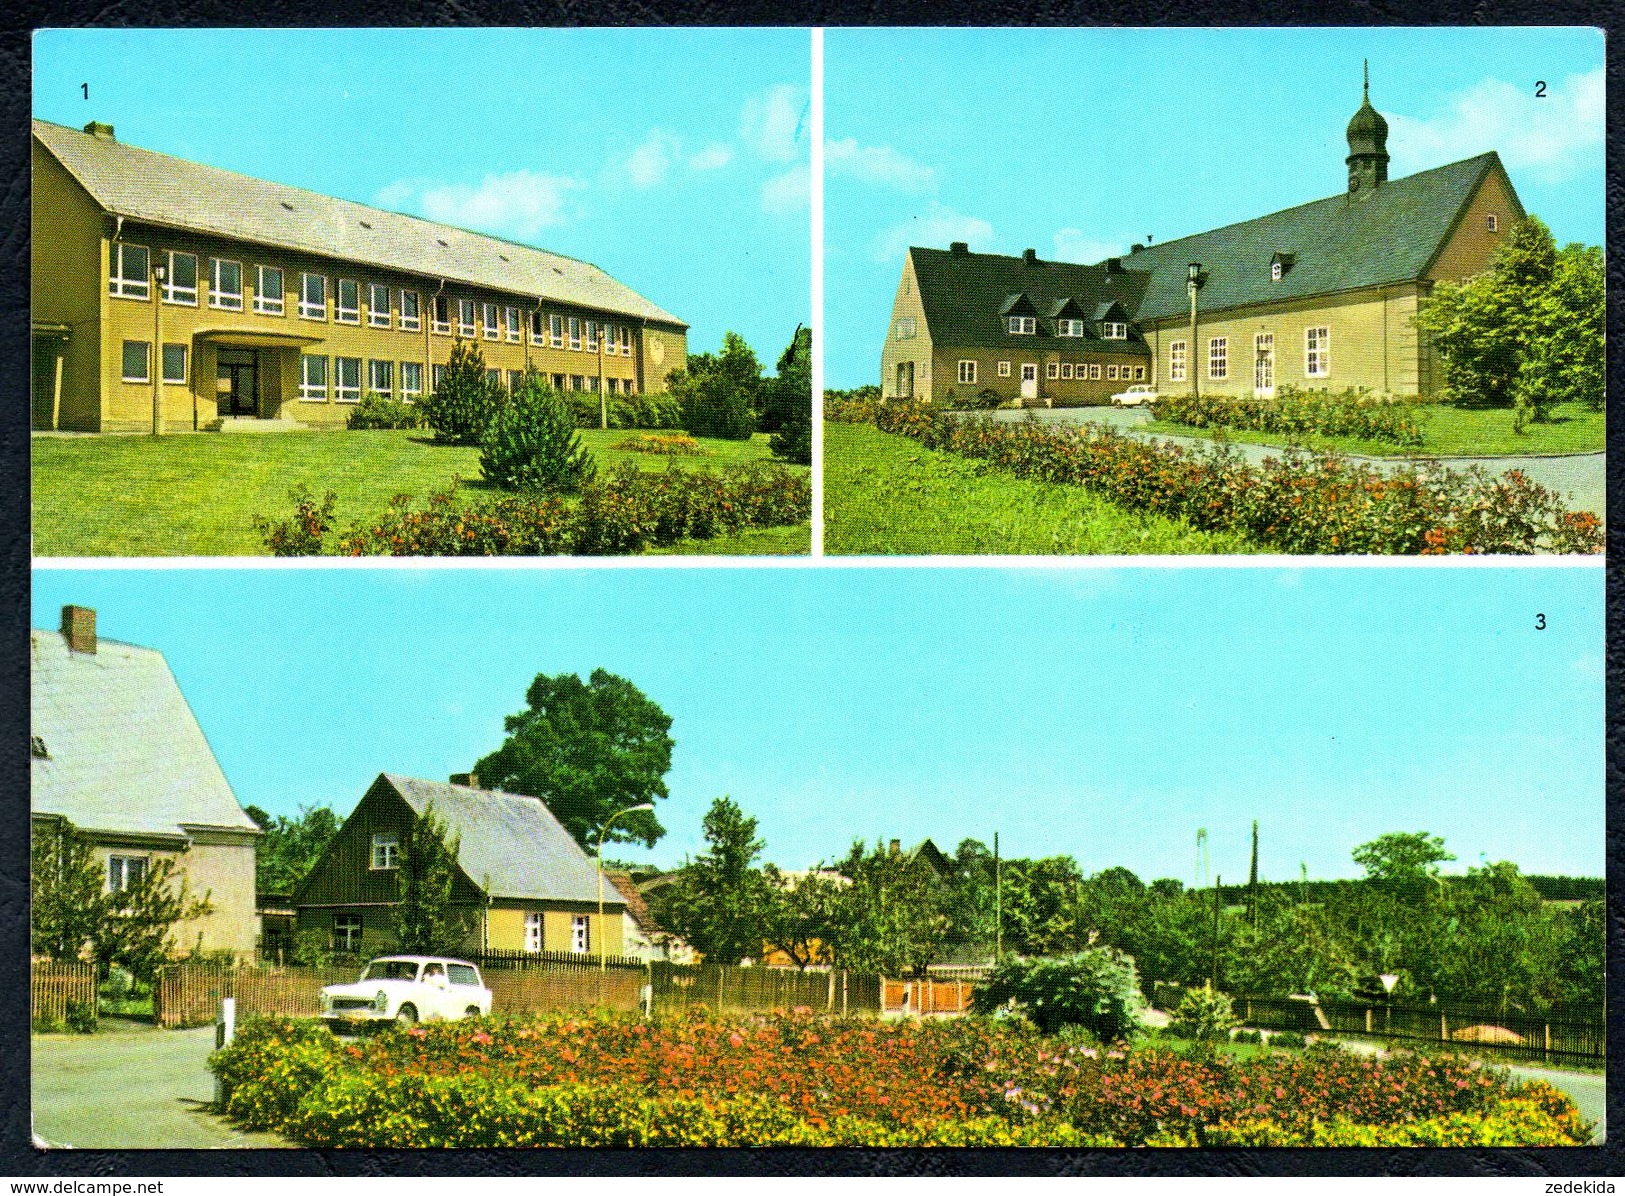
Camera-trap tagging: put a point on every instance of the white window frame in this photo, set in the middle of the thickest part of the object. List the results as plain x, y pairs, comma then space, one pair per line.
1139, 373
125, 871
437, 304
342, 314
309, 310
534, 939
555, 330
223, 299
413, 322
516, 379
493, 375
411, 380
1277, 272
341, 392
388, 389
378, 318
1022, 325
538, 327
1218, 358
1052, 371
270, 307
467, 313
1317, 352
312, 392
1066, 371
386, 851
1492, 223
1263, 341
967, 372
163, 364
515, 332
1116, 330
578, 382
437, 375
626, 341
628, 387
1111, 373
907, 327
491, 321
581, 933
347, 933
575, 333
1176, 361
175, 294
128, 286
146, 361
1004, 369
1070, 328
592, 336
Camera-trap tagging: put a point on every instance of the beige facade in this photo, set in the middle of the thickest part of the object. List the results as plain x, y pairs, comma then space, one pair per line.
218, 866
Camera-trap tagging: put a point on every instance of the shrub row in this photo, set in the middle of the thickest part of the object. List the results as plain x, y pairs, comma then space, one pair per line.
796, 1080
647, 411
1299, 502
623, 510
675, 445
1297, 413
375, 413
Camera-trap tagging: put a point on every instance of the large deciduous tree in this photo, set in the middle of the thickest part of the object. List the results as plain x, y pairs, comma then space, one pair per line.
718, 900
587, 750
290, 847
719, 392
787, 401
426, 921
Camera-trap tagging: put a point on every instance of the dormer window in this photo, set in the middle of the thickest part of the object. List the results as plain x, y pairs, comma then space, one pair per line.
1280, 263
1070, 328
1276, 272
1022, 325
1115, 330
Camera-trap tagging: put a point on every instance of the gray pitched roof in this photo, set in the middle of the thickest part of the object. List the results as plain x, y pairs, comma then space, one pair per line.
1341, 243
123, 750
511, 845
157, 188
966, 297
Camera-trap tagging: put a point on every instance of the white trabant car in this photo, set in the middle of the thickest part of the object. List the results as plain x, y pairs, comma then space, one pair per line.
408, 989
1135, 396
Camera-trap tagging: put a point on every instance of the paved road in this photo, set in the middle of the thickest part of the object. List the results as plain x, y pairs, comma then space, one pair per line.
1580, 478
130, 1086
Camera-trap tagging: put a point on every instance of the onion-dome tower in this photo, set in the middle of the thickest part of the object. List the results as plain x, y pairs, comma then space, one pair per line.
1368, 145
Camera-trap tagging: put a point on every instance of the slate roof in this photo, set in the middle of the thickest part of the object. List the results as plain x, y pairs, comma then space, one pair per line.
966, 294
159, 189
1341, 243
512, 846
123, 751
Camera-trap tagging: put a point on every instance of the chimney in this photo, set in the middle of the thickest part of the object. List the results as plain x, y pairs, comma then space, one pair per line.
1136, 247
1030, 256
959, 247
79, 628
1114, 265
897, 844
469, 779
96, 129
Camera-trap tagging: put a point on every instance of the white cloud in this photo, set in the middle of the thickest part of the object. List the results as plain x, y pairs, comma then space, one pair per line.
1074, 245
647, 165
712, 157
788, 192
936, 228
520, 203
1550, 138
771, 122
878, 164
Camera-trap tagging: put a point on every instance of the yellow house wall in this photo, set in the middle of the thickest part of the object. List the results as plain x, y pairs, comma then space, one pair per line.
1471, 245
1373, 343
67, 269
224, 872
906, 304
505, 926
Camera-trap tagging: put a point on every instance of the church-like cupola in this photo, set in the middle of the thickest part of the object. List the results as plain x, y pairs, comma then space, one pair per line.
1368, 145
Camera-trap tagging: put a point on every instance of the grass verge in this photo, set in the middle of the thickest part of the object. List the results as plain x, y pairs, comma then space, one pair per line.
886, 495
197, 495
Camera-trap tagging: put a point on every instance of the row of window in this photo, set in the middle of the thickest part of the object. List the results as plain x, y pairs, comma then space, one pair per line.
1112, 330
1066, 371
138, 362
1317, 357
345, 374
130, 266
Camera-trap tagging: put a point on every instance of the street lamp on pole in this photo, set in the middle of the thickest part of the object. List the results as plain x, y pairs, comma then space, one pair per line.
603, 957
1194, 280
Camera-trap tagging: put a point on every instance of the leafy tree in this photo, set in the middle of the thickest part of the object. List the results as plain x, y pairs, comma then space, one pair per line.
1042, 906
1402, 856
718, 899
787, 402
290, 847
800, 914
531, 442
426, 922
68, 903
1204, 1015
1098, 989
587, 750
891, 917
719, 392
1528, 332
465, 401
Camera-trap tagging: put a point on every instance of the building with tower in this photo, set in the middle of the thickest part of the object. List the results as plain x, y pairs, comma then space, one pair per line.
1322, 296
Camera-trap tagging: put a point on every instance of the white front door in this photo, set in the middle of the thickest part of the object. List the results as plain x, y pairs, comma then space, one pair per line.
1264, 363
1029, 381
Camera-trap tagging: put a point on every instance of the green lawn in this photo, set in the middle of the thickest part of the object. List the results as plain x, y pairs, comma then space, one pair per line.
1448, 432
885, 494
197, 494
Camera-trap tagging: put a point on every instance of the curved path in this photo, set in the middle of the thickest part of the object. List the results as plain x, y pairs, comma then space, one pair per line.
1581, 477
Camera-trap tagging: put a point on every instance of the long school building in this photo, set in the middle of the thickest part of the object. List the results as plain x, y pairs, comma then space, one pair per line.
268, 302
1322, 296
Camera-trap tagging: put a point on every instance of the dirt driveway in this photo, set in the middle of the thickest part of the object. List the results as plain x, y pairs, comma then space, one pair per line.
130, 1087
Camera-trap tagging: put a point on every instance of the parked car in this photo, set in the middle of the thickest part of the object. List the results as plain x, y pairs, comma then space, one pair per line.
408, 989
1137, 395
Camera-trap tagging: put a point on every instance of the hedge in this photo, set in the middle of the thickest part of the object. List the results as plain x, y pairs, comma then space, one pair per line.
1297, 413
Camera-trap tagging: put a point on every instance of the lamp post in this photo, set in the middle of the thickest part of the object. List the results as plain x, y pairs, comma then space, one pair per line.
1388, 979
157, 361
1193, 284
603, 958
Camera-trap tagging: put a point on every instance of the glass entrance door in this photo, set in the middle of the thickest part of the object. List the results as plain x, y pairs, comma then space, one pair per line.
1264, 363
238, 387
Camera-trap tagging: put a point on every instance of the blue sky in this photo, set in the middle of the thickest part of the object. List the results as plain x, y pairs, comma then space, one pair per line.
1105, 713
674, 159
1079, 142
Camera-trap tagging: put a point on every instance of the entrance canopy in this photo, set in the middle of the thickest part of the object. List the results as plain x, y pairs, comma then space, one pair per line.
240, 339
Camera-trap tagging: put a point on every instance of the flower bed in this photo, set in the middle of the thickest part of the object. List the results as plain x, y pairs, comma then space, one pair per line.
675, 445
1299, 502
1294, 413
625, 510
704, 1080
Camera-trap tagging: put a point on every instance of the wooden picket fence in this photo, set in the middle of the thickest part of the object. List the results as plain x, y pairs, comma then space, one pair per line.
551, 990
55, 983
732, 989
931, 996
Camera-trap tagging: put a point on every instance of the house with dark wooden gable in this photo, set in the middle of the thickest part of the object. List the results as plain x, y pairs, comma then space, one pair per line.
522, 884
1322, 296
